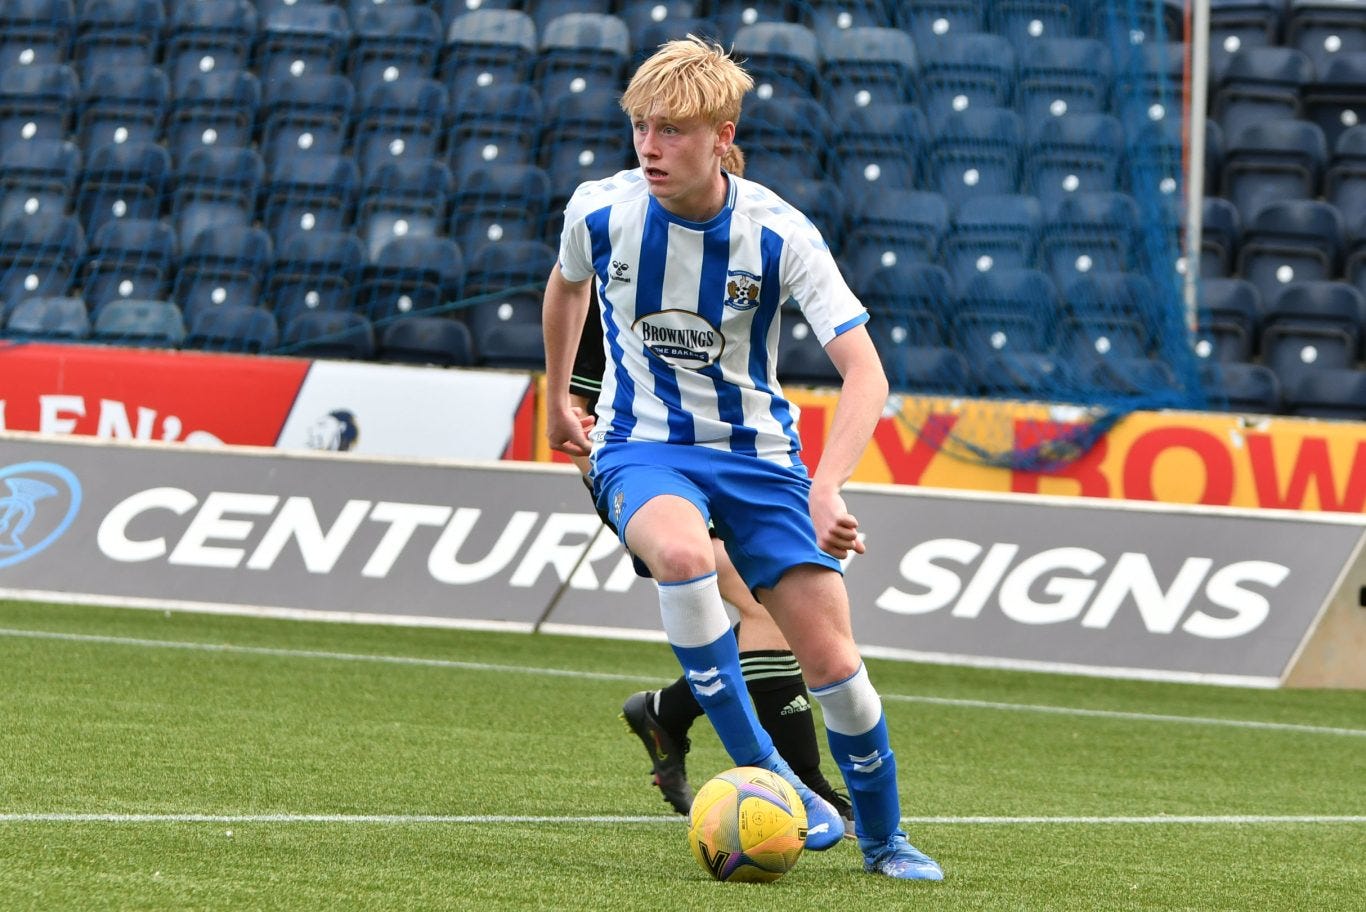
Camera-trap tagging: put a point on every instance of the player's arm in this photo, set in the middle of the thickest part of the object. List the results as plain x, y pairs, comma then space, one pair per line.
863, 395
562, 316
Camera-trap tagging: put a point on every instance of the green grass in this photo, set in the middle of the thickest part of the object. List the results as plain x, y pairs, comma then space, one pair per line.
114, 728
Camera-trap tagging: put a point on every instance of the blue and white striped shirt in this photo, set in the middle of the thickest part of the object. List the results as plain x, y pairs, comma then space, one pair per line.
690, 312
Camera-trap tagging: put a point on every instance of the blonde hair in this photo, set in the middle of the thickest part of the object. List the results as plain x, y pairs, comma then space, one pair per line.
688, 78
734, 161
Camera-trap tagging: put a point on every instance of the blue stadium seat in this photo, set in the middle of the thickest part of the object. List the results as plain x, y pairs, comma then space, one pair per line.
1156, 156
976, 152
1235, 25
37, 102
139, 323
226, 265
129, 258
1023, 375
1332, 393
35, 32
1090, 232
580, 52
1324, 302
543, 12
931, 21
1237, 387
511, 264
1063, 76
123, 104
123, 181
313, 270
53, 318
494, 125
1133, 376
114, 34
1108, 315
825, 17
648, 33
329, 333
1073, 153
1261, 83
310, 193
993, 232
1325, 30
866, 65
215, 187
784, 138
244, 328
1295, 349
214, 109
400, 120
584, 137
392, 42
39, 253
732, 15
507, 330
1005, 309
441, 341
784, 58
964, 72
877, 148
929, 370
208, 36
1336, 101
310, 115
1271, 161
915, 297
822, 202
1291, 241
1222, 232
411, 275
895, 226
1228, 316
1150, 72
1027, 22
1149, 22
499, 203
486, 47
301, 40
802, 360
404, 197
38, 175
892, 335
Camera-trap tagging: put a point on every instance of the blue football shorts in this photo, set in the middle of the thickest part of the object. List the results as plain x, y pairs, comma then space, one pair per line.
758, 508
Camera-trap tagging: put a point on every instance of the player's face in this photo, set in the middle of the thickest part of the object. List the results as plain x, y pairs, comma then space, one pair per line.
681, 160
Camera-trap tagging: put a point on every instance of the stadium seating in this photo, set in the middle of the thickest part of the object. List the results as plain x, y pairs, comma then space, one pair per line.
392, 42
802, 360
38, 256
123, 181
208, 36
37, 101
130, 258
47, 318
1240, 387
1338, 393
330, 334
865, 64
139, 323
427, 340
230, 327
411, 275
113, 35
39, 175
580, 52
218, 108
35, 32
487, 46
313, 270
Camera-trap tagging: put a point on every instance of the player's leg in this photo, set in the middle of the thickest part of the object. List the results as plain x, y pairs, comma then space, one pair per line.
812, 608
775, 683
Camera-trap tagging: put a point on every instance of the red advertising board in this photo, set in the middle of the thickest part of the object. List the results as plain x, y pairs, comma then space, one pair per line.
132, 394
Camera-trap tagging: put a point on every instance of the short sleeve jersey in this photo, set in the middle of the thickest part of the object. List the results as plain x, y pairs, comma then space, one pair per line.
691, 312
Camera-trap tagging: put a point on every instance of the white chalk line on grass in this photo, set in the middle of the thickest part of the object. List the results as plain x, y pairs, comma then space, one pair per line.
417, 661
504, 819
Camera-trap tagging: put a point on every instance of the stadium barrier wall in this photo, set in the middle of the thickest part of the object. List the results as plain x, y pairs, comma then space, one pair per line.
1065, 584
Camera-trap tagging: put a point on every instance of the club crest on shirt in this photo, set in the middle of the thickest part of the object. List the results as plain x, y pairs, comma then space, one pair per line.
742, 290
681, 338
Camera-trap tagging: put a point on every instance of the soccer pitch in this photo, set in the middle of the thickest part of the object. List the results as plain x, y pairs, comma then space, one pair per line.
176, 761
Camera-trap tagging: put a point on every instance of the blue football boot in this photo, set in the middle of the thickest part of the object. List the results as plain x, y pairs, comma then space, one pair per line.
824, 825
894, 856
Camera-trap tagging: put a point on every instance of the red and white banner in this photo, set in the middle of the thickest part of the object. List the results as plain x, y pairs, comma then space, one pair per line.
211, 399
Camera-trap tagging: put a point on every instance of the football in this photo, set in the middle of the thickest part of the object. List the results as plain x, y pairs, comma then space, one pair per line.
747, 824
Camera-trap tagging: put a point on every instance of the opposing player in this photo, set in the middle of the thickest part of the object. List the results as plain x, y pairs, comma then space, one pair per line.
692, 266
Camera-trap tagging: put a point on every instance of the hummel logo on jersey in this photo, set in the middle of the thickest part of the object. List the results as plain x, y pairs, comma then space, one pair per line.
619, 270
799, 704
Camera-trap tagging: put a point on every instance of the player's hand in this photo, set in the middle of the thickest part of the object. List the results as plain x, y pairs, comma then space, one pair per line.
836, 528
567, 429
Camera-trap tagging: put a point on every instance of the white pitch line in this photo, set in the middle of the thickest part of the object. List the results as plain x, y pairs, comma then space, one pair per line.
501, 819
228, 648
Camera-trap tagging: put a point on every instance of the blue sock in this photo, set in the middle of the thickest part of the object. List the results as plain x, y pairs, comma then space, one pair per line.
869, 769
713, 673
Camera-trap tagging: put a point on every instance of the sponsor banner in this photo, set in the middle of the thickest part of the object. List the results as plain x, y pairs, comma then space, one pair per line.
211, 399
396, 410
131, 394
1165, 457
1174, 593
